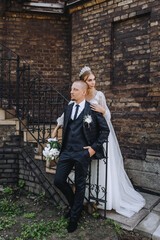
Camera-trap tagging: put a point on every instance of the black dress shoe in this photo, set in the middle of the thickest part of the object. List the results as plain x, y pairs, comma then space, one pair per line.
72, 226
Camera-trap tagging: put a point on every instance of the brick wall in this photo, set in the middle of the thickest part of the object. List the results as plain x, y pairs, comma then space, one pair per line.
42, 39
119, 41
27, 175
9, 157
8, 167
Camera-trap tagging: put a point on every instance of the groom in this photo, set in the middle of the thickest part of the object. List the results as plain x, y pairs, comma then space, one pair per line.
84, 133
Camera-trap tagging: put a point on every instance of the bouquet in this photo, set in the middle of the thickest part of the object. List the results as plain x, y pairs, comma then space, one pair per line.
52, 150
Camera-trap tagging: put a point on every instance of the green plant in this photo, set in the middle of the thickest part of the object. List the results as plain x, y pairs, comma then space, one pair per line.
6, 222
39, 230
41, 196
60, 226
21, 184
80, 237
29, 215
8, 191
9, 208
82, 228
18, 238
96, 215
116, 226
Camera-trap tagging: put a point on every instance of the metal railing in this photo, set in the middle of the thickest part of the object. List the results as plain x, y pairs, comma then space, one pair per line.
33, 98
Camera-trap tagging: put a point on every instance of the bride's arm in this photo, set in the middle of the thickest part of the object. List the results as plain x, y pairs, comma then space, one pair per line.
102, 102
60, 122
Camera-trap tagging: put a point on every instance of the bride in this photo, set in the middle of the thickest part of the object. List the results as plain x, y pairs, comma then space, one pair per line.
121, 196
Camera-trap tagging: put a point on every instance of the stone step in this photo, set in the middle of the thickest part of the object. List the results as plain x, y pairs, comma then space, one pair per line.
153, 152
150, 224
130, 223
156, 234
10, 113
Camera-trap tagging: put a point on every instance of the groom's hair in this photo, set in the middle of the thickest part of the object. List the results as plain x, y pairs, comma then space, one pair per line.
83, 84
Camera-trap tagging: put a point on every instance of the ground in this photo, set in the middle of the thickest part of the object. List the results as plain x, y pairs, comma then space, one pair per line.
26, 216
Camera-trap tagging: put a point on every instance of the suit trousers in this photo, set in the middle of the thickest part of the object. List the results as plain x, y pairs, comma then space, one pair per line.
80, 160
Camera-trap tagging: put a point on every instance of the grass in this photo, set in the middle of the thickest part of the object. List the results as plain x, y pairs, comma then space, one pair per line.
9, 208
27, 217
116, 226
6, 222
34, 229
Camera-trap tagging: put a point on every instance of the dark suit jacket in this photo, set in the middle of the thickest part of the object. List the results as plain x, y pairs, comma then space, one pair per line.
96, 133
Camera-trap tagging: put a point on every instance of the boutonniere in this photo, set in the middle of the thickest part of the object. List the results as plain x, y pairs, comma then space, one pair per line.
87, 120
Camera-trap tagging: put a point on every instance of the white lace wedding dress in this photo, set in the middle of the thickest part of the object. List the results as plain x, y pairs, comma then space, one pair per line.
121, 196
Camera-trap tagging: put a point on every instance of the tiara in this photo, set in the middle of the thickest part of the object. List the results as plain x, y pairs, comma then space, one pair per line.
84, 69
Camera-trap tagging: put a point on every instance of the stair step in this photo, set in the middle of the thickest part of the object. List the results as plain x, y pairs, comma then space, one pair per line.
29, 138
51, 167
39, 157
50, 170
149, 224
7, 115
12, 122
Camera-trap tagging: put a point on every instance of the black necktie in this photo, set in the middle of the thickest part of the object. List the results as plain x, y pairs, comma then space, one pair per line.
75, 115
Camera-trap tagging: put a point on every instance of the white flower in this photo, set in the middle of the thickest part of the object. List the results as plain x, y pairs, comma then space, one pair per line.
52, 139
52, 150
87, 119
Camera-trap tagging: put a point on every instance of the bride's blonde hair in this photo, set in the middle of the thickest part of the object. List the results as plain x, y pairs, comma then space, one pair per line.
85, 75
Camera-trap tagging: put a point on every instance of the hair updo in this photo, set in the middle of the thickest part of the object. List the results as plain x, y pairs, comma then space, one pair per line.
85, 75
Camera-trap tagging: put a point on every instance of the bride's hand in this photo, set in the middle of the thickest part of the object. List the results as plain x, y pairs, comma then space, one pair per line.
98, 108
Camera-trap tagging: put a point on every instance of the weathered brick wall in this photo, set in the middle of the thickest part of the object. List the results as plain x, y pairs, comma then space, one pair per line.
42, 39
8, 166
9, 156
119, 40
28, 176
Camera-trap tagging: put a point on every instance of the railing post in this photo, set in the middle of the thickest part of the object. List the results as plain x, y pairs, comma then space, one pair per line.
50, 110
28, 93
9, 81
1, 78
105, 196
17, 87
39, 107
23, 90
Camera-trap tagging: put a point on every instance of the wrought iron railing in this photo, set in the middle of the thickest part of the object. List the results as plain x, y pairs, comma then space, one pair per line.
33, 98
25, 90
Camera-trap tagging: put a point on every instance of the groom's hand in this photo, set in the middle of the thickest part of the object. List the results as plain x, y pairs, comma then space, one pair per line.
90, 150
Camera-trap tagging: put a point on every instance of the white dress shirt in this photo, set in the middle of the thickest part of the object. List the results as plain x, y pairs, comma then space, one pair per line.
81, 107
